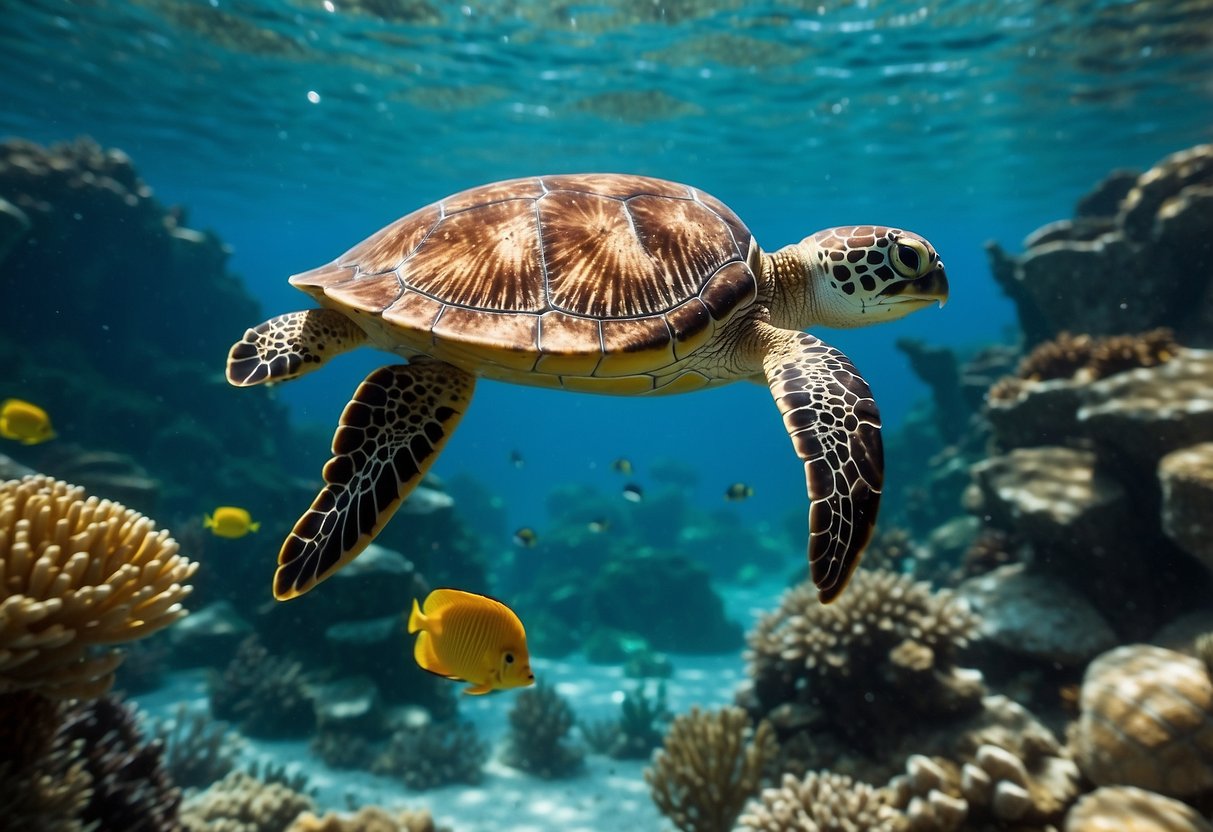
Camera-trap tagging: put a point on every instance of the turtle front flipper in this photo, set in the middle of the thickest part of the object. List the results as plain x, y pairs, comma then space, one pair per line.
290, 345
388, 437
832, 419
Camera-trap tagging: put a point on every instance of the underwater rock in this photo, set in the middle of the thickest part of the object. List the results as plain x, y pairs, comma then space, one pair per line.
208, 636
1127, 809
198, 750
11, 469
349, 706
1147, 721
14, 225
377, 583
1037, 615
648, 582
359, 647
1052, 495
1186, 476
1149, 265
1145, 414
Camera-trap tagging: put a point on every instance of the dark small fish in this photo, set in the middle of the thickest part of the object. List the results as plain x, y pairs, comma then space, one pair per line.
598, 526
526, 537
622, 466
738, 491
516, 459
632, 493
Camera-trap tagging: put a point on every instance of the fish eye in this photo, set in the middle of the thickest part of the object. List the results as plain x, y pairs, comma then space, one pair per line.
909, 258
509, 658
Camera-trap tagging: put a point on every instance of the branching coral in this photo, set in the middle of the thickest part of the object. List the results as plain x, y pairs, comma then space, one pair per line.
242, 803
539, 725
434, 754
821, 802
265, 695
131, 790
197, 750
708, 768
77, 572
885, 654
43, 782
641, 724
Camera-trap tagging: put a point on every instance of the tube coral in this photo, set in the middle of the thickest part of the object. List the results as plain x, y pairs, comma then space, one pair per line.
77, 572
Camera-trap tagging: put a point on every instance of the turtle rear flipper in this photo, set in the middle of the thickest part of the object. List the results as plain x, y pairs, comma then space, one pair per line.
830, 415
290, 345
388, 437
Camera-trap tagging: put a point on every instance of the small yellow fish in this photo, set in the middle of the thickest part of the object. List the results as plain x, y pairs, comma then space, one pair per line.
622, 466
632, 493
230, 521
738, 491
526, 537
472, 638
25, 422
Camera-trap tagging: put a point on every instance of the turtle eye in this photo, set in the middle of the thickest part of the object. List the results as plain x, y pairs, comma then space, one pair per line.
910, 258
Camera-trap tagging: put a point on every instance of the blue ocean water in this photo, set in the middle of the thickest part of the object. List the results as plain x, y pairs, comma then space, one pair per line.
294, 128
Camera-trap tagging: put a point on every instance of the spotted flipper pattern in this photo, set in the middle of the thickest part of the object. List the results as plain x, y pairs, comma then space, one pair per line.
290, 345
831, 416
388, 437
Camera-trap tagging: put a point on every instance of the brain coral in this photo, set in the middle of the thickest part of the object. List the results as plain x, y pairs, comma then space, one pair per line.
1147, 721
77, 572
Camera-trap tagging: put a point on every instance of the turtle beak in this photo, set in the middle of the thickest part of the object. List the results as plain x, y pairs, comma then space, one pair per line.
931, 287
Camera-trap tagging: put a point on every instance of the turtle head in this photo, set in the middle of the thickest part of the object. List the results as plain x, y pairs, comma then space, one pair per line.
864, 274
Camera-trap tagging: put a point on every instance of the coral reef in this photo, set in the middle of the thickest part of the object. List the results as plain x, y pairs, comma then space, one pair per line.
143, 386
1084, 358
1126, 809
995, 787
710, 764
75, 573
1144, 263
80, 766
888, 636
434, 754
197, 750
1081, 482
538, 743
367, 819
1186, 478
638, 729
821, 802
242, 803
1147, 721
131, 789
266, 696
43, 781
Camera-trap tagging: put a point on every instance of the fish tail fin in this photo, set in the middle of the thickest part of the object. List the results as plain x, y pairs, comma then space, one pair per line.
208, 521
416, 619
255, 526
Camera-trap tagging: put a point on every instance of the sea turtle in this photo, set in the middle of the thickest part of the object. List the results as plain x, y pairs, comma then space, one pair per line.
601, 283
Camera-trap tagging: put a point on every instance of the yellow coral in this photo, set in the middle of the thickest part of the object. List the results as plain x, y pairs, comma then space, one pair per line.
367, 819
77, 572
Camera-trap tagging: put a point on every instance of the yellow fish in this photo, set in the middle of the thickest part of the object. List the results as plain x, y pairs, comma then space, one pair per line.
27, 423
230, 521
472, 638
622, 466
526, 537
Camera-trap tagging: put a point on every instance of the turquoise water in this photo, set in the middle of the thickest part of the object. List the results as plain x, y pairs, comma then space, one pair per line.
294, 129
